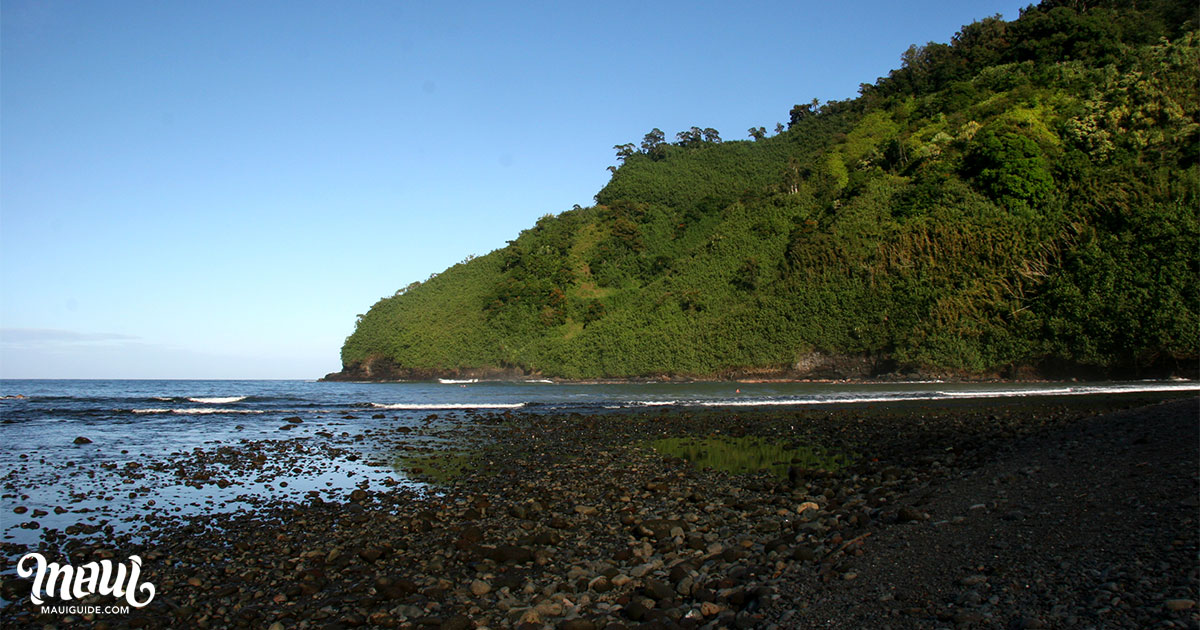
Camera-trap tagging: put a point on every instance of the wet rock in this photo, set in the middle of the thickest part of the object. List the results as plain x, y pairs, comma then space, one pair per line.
1180, 604
82, 440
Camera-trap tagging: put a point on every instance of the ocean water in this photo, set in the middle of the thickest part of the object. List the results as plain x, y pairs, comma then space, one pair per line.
145, 437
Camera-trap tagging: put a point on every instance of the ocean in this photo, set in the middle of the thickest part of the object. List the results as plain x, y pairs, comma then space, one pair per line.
101, 456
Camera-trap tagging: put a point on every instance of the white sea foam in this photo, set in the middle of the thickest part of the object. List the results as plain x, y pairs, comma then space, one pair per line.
1006, 393
221, 400
779, 402
944, 395
448, 406
198, 411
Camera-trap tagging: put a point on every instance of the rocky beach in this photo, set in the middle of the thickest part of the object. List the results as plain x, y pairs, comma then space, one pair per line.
1052, 512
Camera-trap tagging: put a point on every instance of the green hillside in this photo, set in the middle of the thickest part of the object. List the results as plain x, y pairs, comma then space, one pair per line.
1020, 200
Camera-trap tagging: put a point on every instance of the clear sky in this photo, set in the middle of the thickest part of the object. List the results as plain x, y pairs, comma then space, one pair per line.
215, 189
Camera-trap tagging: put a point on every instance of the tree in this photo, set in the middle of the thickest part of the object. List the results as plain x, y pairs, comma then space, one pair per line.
758, 133
624, 150
800, 112
690, 137
711, 135
653, 140
1011, 168
982, 43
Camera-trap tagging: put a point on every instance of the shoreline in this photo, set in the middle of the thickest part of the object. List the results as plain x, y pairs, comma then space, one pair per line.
815, 367
665, 380
567, 521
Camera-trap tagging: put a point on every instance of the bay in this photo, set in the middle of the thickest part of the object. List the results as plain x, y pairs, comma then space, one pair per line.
153, 450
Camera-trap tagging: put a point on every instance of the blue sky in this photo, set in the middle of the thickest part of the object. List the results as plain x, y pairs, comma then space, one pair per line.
216, 189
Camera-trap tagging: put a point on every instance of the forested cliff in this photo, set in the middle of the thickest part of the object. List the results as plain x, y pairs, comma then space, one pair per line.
1021, 200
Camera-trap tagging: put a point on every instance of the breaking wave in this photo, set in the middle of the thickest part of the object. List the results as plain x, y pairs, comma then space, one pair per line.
220, 400
434, 406
198, 411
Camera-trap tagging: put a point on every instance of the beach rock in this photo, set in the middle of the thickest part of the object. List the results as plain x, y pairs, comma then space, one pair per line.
967, 617
600, 584
636, 611
511, 553
1180, 604
371, 554
480, 588
457, 622
82, 440
658, 528
577, 624
471, 534
972, 580
399, 588
658, 591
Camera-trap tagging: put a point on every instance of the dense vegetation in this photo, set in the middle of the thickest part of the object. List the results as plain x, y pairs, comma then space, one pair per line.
1024, 196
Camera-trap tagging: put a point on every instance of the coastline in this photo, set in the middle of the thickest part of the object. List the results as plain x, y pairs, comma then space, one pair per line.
814, 368
568, 521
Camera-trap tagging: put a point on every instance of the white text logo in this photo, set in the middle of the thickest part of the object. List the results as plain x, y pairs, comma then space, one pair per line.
93, 577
